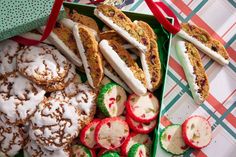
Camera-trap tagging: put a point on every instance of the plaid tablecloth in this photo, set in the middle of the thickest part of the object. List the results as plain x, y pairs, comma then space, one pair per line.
218, 17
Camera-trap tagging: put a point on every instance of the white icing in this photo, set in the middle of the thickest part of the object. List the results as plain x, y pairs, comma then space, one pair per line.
58, 43
8, 50
11, 140
120, 30
82, 54
22, 101
57, 115
42, 62
146, 71
35, 36
214, 55
121, 68
116, 79
188, 70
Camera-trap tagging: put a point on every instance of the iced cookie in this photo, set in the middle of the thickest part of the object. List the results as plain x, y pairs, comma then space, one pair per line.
8, 52
202, 40
11, 139
112, 35
124, 65
81, 96
118, 21
32, 149
55, 124
19, 98
62, 37
42, 64
55, 86
194, 71
90, 55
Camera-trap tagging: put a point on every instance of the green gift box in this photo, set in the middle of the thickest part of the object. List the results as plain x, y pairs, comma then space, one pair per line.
20, 16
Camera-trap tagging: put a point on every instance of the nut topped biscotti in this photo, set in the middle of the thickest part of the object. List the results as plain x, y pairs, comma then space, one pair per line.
202, 40
118, 21
193, 68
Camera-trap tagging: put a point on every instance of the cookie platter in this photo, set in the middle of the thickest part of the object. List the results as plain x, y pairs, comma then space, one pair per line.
54, 123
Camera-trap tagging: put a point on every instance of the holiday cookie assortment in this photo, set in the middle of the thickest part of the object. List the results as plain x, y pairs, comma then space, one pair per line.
46, 110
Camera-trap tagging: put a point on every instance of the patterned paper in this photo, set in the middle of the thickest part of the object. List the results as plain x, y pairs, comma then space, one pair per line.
218, 17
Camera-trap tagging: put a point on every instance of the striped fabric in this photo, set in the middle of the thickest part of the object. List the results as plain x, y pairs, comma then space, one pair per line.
218, 17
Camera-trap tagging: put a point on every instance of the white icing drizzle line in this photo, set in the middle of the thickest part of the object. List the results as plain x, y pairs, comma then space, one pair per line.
82, 54
58, 43
121, 68
117, 80
146, 71
120, 30
188, 70
214, 55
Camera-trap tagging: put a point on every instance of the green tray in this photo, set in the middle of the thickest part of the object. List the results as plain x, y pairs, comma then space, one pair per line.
164, 42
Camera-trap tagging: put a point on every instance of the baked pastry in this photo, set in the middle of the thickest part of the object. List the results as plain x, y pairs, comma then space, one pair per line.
202, 40
42, 64
90, 55
150, 60
62, 38
8, 52
124, 65
112, 35
19, 98
55, 124
32, 149
194, 71
118, 21
11, 139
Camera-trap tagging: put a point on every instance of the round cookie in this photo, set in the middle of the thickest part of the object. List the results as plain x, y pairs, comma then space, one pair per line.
11, 139
31, 149
82, 96
55, 124
42, 64
19, 98
8, 49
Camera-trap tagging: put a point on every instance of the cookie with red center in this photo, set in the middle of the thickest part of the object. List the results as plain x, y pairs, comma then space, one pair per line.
171, 140
82, 151
197, 132
111, 133
139, 127
138, 150
111, 100
143, 108
87, 134
136, 138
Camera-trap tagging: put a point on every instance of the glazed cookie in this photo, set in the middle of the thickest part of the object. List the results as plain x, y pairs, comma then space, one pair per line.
124, 65
81, 96
202, 40
19, 98
118, 21
8, 49
62, 38
112, 35
11, 139
90, 55
195, 73
84, 20
42, 64
32, 149
55, 86
55, 124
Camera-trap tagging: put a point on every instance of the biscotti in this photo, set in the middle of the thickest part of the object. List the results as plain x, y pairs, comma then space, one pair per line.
202, 40
124, 65
195, 73
118, 21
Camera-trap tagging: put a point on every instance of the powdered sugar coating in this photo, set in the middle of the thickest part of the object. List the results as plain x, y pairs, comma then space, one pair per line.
19, 98
8, 49
42, 64
11, 139
54, 124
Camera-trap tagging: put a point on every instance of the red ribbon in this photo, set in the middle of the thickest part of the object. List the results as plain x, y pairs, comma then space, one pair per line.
155, 8
49, 26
